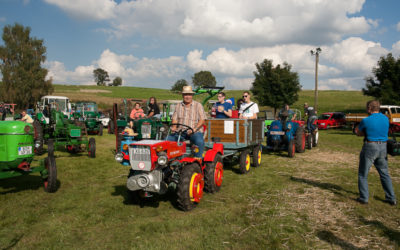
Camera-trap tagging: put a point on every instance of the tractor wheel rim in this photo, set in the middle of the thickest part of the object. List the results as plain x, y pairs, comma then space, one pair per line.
259, 157
196, 187
247, 162
219, 174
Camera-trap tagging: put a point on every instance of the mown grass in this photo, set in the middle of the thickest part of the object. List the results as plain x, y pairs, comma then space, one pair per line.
303, 202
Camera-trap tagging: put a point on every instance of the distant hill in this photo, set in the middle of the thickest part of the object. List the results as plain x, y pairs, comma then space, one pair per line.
328, 100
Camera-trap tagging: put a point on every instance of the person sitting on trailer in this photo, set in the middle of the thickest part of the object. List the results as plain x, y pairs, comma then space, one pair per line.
223, 108
26, 118
248, 109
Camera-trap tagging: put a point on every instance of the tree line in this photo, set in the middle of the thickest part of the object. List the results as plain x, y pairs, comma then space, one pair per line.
24, 81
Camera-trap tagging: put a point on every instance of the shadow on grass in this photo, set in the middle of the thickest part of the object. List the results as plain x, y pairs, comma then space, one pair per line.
329, 237
22, 183
324, 185
154, 201
392, 234
13, 242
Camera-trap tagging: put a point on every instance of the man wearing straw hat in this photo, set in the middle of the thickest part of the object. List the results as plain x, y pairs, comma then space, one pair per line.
189, 113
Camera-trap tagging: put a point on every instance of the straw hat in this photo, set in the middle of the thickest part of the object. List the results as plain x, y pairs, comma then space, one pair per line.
187, 90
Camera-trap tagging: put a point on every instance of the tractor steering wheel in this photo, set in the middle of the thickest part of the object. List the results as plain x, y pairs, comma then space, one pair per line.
187, 128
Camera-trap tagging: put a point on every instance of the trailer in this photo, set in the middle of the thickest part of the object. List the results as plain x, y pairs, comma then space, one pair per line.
241, 139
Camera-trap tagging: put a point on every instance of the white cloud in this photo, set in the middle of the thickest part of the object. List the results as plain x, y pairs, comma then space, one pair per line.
87, 9
244, 22
396, 49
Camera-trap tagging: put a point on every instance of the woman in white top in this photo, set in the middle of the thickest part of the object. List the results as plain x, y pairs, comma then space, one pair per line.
248, 109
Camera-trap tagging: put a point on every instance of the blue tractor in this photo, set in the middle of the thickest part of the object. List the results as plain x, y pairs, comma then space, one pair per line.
284, 135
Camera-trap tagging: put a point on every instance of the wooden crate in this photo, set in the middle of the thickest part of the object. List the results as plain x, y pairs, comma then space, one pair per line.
234, 133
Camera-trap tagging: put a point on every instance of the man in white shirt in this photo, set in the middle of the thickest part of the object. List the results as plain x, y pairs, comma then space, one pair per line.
26, 118
248, 109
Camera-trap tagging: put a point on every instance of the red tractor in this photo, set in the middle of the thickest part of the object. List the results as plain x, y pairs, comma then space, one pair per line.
157, 166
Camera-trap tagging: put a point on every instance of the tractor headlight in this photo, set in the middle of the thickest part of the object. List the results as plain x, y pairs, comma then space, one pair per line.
162, 160
289, 126
119, 157
37, 144
162, 129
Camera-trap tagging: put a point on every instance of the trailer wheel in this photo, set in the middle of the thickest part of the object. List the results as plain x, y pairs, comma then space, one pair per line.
315, 138
213, 175
190, 187
309, 141
38, 137
92, 148
291, 149
300, 140
101, 129
50, 147
50, 182
257, 153
244, 166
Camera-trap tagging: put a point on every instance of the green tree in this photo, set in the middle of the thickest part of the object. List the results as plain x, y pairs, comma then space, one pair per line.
385, 84
101, 77
178, 86
117, 81
275, 86
24, 80
204, 78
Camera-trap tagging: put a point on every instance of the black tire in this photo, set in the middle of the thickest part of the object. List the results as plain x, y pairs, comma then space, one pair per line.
300, 140
213, 175
50, 147
257, 153
101, 129
185, 201
50, 183
38, 137
291, 149
309, 141
244, 165
315, 137
92, 148
119, 139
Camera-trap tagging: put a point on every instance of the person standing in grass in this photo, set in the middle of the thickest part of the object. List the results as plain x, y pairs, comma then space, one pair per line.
375, 129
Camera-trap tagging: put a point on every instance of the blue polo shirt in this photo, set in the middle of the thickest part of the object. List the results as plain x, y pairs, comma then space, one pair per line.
375, 126
227, 106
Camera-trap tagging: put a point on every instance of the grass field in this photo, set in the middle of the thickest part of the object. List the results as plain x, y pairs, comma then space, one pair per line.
302, 202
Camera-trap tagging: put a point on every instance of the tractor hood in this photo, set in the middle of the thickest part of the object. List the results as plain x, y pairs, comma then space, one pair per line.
15, 127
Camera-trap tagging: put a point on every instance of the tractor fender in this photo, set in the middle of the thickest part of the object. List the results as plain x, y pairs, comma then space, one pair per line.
190, 160
210, 154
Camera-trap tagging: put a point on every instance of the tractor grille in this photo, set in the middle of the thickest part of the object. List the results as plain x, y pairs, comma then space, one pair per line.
140, 153
146, 130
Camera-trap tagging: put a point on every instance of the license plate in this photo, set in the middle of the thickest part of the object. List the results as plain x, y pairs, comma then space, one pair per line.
27, 150
277, 132
141, 151
323, 124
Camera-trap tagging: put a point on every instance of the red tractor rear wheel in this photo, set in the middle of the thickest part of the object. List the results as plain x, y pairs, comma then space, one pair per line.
213, 175
190, 187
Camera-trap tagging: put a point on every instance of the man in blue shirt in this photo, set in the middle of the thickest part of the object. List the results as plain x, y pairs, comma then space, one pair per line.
375, 130
223, 108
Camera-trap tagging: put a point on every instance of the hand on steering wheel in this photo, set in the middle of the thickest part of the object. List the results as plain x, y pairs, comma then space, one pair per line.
184, 130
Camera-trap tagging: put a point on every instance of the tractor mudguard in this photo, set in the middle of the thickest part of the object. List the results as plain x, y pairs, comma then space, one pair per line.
210, 154
190, 160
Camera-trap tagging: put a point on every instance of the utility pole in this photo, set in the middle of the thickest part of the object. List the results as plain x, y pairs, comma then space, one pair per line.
316, 53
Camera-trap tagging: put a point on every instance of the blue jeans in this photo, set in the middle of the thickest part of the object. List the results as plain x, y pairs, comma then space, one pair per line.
373, 153
310, 126
196, 139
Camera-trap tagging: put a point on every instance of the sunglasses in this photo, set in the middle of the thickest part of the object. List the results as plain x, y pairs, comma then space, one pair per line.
245, 96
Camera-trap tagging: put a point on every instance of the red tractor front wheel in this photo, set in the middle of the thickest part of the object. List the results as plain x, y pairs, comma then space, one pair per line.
190, 187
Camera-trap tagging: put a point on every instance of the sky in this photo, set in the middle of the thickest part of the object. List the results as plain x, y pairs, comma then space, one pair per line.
154, 43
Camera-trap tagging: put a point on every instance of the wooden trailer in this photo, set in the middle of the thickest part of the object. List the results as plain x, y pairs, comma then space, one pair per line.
241, 139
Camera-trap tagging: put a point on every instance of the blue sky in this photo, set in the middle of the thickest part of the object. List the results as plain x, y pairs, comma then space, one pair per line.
154, 43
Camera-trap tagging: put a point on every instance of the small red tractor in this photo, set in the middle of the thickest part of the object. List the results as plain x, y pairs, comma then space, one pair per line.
157, 166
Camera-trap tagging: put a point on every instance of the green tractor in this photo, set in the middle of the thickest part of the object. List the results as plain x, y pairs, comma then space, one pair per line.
87, 112
63, 132
17, 153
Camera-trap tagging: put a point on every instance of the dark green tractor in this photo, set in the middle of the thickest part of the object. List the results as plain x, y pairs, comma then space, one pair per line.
62, 132
17, 154
87, 113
